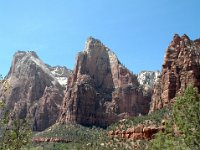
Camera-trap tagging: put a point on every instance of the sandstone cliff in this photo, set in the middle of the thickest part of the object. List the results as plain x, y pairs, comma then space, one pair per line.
181, 67
101, 90
35, 92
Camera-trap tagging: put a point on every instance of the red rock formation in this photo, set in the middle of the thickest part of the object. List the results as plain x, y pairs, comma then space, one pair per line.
101, 90
45, 112
139, 132
34, 92
181, 67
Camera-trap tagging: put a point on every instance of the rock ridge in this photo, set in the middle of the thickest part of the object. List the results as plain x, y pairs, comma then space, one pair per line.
180, 68
34, 90
101, 90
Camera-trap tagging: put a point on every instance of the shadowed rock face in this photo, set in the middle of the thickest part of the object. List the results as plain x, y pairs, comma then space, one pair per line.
181, 67
101, 90
35, 92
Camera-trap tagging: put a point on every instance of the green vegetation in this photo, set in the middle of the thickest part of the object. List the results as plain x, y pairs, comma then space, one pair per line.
80, 137
76, 136
15, 133
186, 114
167, 140
72, 132
153, 118
182, 130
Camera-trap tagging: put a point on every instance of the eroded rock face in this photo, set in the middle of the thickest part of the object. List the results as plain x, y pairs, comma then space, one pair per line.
35, 92
101, 90
147, 79
139, 132
181, 67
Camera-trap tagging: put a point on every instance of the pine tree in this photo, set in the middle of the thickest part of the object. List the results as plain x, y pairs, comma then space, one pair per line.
186, 113
15, 133
186, 116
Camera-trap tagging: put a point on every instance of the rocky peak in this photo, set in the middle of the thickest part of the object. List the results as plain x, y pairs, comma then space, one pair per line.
35, 91
180, 42
23, 60
23, 53
180, 67
101, 90
92, 44
25, 64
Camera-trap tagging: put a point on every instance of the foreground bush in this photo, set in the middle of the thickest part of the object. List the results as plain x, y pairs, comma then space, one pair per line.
182, 130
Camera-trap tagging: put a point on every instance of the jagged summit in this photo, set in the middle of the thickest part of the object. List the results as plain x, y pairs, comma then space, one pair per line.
35, 89
27, 59
101, 90
183, 36
22, 53
179, 42
27, 64
93, 44
180, 67
92, 41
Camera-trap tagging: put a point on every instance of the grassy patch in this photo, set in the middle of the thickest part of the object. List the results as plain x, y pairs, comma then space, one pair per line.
81, 137
154, 118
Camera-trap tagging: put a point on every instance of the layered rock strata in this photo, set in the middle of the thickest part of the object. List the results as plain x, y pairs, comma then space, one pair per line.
180, 68
139, 132
101, 90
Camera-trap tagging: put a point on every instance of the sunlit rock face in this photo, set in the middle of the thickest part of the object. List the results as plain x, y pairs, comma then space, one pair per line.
147, 79
101, 90
180, 68
35, 91
60, 73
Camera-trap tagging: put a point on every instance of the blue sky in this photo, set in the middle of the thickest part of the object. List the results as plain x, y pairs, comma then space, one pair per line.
138, 31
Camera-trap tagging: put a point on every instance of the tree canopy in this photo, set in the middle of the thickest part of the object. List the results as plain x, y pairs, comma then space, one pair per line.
185, 118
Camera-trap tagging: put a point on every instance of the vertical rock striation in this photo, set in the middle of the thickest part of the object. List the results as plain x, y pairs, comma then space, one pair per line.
101, 90
35, 92
181, 67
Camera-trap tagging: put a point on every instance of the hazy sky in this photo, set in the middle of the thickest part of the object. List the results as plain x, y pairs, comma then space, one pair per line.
138, 31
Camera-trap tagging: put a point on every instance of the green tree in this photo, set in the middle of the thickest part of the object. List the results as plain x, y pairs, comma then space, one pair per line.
164, 139
186, 114
14, 133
